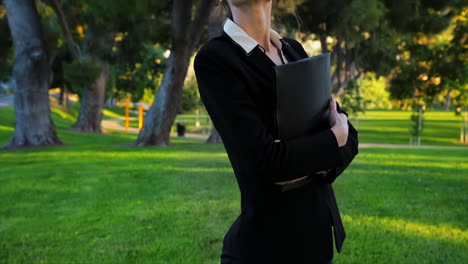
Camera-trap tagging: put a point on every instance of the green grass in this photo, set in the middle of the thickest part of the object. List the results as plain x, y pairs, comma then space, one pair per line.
405, 206
375, 126
97, 201
440, 127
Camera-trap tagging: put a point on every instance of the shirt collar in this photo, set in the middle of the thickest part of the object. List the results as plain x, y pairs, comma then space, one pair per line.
247, 43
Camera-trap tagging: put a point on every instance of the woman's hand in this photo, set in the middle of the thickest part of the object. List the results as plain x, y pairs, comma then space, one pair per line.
291, 181
338, 123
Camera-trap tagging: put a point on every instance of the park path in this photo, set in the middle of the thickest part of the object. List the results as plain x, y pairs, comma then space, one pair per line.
6, 100
114, 124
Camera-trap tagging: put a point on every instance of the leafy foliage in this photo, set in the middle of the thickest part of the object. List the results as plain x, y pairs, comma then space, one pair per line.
190, 97
81, 74
352, 101
374, 91
144, 73
430, 66
6, 46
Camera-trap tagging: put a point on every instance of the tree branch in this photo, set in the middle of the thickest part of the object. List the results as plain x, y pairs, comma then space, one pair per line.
201, 18
72, 46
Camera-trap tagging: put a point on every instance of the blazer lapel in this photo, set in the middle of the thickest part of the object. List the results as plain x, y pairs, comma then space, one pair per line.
266, 65
289, 52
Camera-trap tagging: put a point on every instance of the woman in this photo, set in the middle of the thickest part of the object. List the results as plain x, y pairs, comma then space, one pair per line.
235, 79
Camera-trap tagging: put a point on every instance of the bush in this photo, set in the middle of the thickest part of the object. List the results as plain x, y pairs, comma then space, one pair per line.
190, 97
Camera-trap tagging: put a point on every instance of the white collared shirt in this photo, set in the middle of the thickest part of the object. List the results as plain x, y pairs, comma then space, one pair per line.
246, 42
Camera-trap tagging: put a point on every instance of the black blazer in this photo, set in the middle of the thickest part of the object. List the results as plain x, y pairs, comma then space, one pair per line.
291, 227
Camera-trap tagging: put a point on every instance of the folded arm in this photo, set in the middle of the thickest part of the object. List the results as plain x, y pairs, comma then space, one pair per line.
238, 121
346, 152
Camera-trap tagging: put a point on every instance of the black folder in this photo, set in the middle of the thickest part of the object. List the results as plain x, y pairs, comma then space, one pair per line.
302, 94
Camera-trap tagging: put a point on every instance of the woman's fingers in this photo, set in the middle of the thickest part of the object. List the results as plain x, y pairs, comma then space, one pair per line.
291, 181
333, 114
332, 104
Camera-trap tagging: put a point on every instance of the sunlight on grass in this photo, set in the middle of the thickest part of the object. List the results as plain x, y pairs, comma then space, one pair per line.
394, 158
9, 129
441, 232
110, 114
441, 116
63, 114
428, 163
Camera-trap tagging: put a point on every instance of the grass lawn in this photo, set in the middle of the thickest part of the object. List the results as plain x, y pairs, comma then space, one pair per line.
440, 127
375, 126
97, 201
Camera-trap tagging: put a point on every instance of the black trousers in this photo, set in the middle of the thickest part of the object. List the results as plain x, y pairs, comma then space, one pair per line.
231, 252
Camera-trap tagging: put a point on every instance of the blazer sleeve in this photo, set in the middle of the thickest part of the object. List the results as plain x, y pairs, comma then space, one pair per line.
238, 121
346, 152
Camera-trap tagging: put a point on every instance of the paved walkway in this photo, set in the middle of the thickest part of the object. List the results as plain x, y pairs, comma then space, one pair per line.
6, 100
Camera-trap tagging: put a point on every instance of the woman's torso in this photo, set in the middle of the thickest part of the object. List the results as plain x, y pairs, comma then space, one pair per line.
275, 227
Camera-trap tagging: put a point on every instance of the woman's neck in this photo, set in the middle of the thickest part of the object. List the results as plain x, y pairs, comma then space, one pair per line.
255, 20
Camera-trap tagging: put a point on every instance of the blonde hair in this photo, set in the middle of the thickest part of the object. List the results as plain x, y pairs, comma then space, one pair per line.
226, 8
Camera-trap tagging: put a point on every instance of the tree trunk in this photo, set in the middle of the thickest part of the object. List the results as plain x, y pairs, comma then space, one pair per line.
34, 126
214, 138
215, 22
336, 77
160, 117
92, 102
185, 36
92, 99
63, 98
348, 62
323, 41
448, 100
72, 46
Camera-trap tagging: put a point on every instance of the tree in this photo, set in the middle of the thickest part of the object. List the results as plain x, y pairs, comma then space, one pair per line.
101, 24
452, 62
31, 72
185, 35
348, 23
140, 54
6, 58
374, 92
430, 59
92, 93
215, 29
